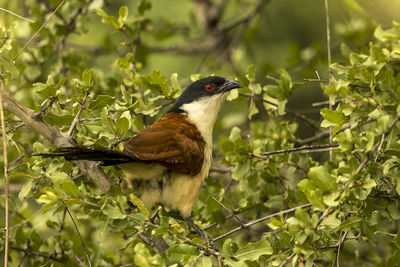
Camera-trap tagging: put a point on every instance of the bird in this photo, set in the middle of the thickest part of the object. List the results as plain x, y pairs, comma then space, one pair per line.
170, 159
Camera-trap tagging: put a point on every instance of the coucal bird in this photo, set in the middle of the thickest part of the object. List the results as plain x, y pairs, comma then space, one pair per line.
170, 159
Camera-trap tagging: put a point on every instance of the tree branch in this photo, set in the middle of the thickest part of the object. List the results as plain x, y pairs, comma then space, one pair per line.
5, 159
76, 119
89, 168
41, 28
248, 17
315, 148
392, 188
31, 253
294, 113
251, 223
80, 237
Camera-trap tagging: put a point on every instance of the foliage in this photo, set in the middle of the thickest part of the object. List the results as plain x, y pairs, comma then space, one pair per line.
284, 208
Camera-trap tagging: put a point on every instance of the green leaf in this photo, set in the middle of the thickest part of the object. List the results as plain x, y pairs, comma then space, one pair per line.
101, 101
137, 124
286, 81
303, 217
143, 7
241, 169
331, 221
107, 123
139, 203
235, 134
233, 94
123, 14
229, 248
204, 262
46, 90
58, 119
87, 78
49, 196
351, 222
181, 252
9, 66
121, 126
142, 255
250, 73
252, 251
321, 178
274, 91
113, 212
252, 109
126, 96
106, 19
336, 118
58, 177
25, 190
70, 188
175, 85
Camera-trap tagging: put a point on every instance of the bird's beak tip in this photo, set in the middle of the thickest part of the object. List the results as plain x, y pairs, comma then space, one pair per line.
232, 84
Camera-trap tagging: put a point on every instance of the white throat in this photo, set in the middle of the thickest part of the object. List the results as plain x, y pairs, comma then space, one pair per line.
203, 113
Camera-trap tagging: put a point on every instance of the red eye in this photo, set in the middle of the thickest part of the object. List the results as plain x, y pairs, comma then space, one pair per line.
209, 87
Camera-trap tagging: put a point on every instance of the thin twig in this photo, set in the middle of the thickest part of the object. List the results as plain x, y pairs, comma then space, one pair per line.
18, 16
179, 49
31, 253
391, 187
24, 221
294, 113
328, 41
287, 259
5, 158
339, 246
227, 218
80, 237
321, 103
311, 148
318, 80
229, 210
324, 134
201, 247
251, 223
39, 30
257, 9
76, 119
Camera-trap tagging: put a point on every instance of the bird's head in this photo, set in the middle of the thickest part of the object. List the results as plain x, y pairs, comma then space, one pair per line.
207, 93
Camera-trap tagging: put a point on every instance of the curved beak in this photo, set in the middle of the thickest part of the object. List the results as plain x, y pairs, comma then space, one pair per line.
229, 85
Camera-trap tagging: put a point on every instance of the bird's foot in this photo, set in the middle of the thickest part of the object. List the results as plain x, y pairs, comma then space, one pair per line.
206, 239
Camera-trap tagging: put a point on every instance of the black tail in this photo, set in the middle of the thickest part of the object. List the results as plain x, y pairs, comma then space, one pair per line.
107, 156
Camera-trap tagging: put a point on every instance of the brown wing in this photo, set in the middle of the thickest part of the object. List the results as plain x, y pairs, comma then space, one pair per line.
173, 142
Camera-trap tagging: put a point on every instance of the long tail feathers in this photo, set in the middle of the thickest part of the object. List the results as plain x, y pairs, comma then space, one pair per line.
107, 156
